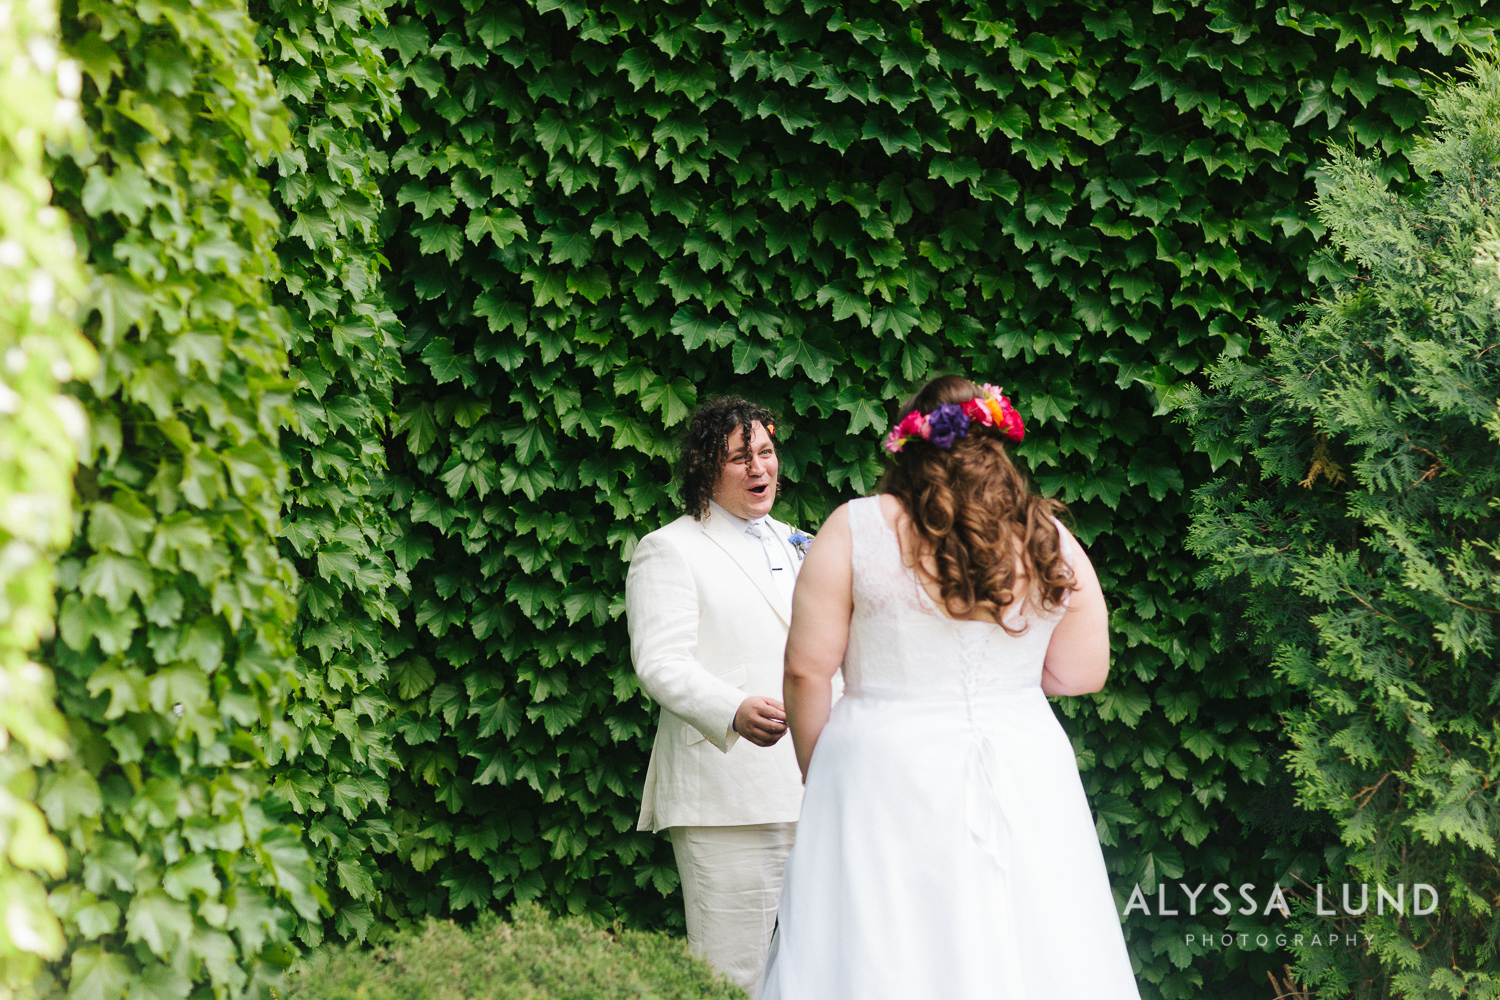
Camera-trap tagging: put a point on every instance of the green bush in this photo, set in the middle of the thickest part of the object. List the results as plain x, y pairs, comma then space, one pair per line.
1360, 535
534, 957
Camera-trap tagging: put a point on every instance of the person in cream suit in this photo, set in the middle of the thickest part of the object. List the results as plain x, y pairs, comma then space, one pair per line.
708, 600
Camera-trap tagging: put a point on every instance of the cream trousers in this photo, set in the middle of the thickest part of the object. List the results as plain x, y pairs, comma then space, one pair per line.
731, 881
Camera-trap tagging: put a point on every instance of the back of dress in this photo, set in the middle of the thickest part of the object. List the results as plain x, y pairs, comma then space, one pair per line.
945, 850
902, 645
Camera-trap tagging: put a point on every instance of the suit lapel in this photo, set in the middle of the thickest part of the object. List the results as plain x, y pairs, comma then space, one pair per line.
727, 536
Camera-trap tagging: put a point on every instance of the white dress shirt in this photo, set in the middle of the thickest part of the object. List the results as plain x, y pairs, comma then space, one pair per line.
765, 539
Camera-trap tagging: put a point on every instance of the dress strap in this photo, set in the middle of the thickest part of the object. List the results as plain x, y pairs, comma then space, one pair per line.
875, 547
861, 532
1066, 547
880, 579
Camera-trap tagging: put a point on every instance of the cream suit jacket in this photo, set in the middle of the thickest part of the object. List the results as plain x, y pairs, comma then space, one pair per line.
707, 630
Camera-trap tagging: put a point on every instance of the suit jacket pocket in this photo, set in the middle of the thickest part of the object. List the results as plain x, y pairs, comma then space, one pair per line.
736, 675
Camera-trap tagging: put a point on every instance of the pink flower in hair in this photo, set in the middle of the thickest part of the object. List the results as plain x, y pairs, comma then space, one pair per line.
991, 409
913, 425
1011, 425
978, 411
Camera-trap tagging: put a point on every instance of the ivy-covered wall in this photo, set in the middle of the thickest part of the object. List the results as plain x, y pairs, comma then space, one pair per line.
331, 75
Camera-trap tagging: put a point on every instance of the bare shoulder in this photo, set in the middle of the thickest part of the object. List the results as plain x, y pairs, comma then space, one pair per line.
1086, 579
833, 540
838, 521
825, 575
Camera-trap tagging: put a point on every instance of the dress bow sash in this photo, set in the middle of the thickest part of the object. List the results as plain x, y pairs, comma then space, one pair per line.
982, 805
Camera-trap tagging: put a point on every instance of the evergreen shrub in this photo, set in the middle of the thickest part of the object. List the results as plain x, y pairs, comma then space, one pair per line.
1357, 530
532, 957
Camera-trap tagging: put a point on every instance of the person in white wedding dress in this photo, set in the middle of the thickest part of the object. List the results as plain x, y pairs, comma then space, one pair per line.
945, 850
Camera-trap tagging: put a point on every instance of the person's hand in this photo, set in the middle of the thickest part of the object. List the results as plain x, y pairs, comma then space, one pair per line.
760, 720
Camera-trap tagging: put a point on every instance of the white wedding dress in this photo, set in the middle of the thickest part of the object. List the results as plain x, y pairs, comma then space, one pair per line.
946, 850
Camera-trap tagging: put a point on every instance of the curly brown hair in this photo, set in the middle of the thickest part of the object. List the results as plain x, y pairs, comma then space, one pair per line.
976, 514
705, 446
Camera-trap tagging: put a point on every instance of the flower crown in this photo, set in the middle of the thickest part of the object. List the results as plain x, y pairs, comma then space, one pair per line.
950, 421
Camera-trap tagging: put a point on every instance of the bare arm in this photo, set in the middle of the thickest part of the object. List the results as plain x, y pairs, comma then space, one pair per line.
1078, 655
822, 607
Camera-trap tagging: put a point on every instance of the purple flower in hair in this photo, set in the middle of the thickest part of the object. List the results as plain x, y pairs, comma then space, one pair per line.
948, 422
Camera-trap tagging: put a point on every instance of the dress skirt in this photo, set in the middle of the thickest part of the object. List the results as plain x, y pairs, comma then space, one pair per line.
946, 851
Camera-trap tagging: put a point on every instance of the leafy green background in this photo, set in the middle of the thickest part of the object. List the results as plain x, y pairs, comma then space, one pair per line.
402, 328
332, 78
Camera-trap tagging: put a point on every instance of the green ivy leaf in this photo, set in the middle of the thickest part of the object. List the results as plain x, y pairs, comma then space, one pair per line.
675, 399
97, 974
158, 921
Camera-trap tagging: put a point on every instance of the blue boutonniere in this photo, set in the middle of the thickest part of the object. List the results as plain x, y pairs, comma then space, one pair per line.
800, 540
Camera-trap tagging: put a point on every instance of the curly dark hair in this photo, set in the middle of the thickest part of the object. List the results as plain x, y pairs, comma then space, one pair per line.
705, 446
975, 513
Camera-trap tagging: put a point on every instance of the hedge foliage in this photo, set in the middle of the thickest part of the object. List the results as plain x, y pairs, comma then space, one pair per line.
174, 653
531, 957
1359, 538
41, 432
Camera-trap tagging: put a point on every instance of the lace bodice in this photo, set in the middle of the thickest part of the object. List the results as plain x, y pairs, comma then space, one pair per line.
901, 645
